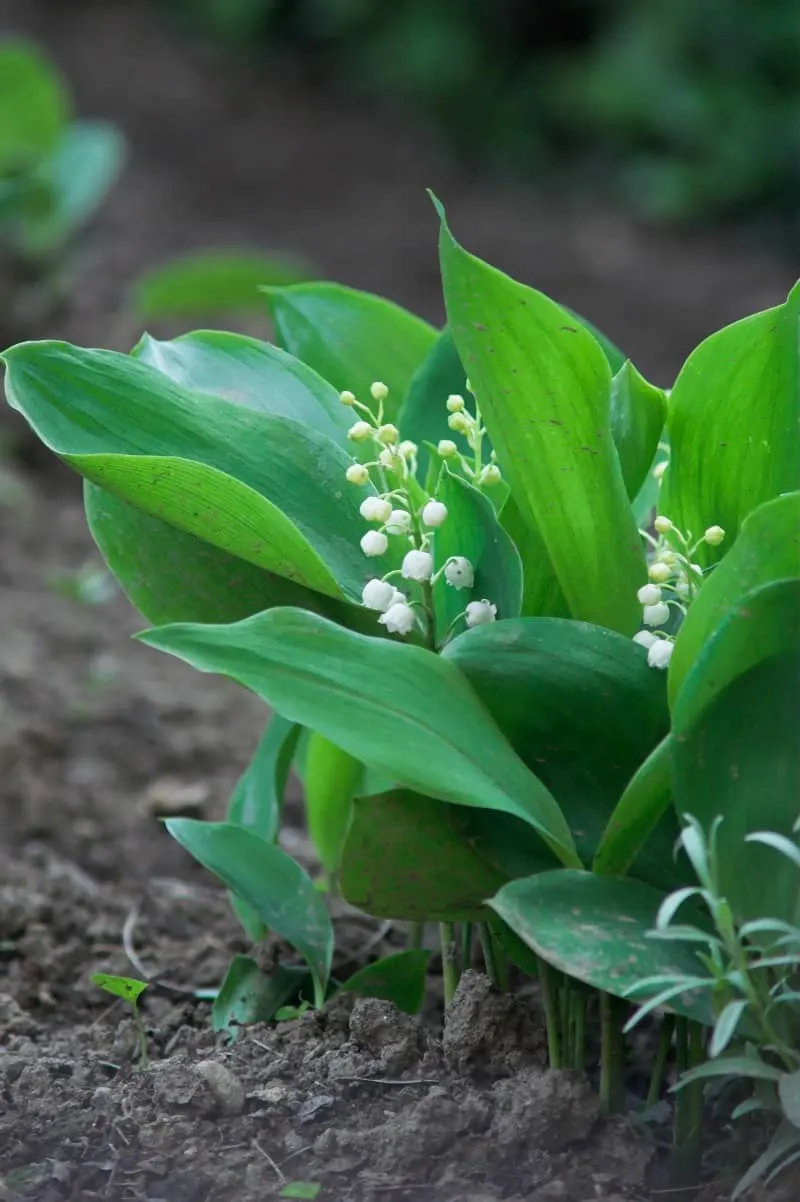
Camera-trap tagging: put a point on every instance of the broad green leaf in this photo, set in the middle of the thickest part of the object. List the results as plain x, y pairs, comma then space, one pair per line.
638, 413
127, 988
212, 281
734, 423
79, 173
646, 800
250, 373
613, 354
582, 709
270, 882
423, 414
172, 576
542, 383
261, 487
542, 595
410, 858
398, 708
257, 800
765, 622
596, 929
767, 549
473, 530
331, 779
741, 759
648, 497
351, 338
33, 105
399, 979
249, 995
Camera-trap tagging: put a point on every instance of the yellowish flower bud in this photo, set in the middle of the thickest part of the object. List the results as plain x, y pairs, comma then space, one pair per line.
388, 434
460, 422
447, 448
663, 525
660, 573
714, 536
357, 474
347, 398
360, 431
491, 474
378, 391
455, 403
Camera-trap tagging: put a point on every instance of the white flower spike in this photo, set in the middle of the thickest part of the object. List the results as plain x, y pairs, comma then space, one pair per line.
714, 536
398, 522
360, 431
398, 619
646, 638
374, 543
434, 513
459, 572
480, 612
357, 474
375, 509
650, 594
660, 653
379, 595
417, 565
655, 615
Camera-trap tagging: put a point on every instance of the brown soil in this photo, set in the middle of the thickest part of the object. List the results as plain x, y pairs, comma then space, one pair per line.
95, 731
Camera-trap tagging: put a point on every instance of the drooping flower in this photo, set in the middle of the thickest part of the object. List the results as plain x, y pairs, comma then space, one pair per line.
659, 572
360, 431
655, 615
646, 638
480, 612
379, 595
374, 543
375, 509
357, 474
660, 653
459, 572
434, 513
398, 619
398, 522
714, 536
649, 594
491, 474
662, 524
417, 565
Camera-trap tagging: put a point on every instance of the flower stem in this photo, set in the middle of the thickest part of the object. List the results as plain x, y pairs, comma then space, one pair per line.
657, 1075
450, 973
547, 983
612, 1057
416, 933
494, 958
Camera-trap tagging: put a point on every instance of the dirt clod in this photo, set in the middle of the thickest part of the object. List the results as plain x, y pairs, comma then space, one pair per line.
489, 1034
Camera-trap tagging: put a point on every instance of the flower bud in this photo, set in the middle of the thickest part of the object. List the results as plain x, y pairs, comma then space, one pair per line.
347, 398
660, 653
714, 536
390, 460
375, 509
480, 612
399, 618
407, 448
645, 638
696, 568
378, 594
660, 468
360, 432
460, 422
434, 513
417, 565
398, 522
663, 525
683, 589
490, 475
660, 573
655, 615
447, 448
378, 391
459, 572
374, 543
468, 386
650, 594
357, 474
455, 403
388, 434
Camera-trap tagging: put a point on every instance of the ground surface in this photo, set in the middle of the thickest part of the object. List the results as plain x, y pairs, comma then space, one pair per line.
97, 732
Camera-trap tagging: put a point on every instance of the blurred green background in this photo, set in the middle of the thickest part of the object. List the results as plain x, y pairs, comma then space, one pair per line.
686, 110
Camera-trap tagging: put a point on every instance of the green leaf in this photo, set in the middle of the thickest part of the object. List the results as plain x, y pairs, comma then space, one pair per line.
638, 413
250, 373
764, 623
33, 105
767, 549
270, 882
789, 1093
408, 857
542, 384
542, 595
423, 414
247, 995
351, 338
212, 281
473, 530
740, 759
331, 780
613, 354
646, 800
581, 708
399, 979
262, 487
127, 988
398, 708
79, 173
307, 1190
596, 929
734, 424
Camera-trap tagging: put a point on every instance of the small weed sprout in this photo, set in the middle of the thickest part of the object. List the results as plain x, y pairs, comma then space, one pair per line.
129, 990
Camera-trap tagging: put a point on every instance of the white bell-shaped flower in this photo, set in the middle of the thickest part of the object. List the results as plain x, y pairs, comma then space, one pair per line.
480, 612
417, 565
645, 638
434, 513
398, 522
655, 615
649, 594
375, 509
379, 595
660, 653
398, 619
374, 543
459, 572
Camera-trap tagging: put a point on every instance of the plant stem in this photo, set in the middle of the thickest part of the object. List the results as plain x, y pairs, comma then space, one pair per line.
547, 983
577, 1028
450, 973
416, 933
466, 946
657, 1075
142, 1036
687, 1129
612, 1057
494, 958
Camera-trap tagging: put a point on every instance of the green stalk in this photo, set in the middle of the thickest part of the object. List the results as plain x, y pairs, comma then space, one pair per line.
466, 946
612, 1057
577, 1028
494, 958
657, 1075
549, 989
687, 1128
450, 973
416, 933
141, 1033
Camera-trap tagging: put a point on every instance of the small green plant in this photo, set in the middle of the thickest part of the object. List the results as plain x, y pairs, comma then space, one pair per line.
54, 170
130, 990
515, 609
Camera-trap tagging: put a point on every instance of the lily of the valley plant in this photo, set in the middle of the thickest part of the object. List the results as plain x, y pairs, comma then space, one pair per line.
516, 611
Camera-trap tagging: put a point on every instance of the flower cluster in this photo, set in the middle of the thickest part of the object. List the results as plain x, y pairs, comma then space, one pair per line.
395, 512
674, 581
472, 429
